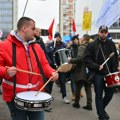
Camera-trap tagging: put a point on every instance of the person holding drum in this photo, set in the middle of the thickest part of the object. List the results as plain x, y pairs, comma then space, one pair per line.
99, 63
21, 73
56, 51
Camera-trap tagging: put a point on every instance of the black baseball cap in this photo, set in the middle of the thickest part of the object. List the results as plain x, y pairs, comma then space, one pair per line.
103, 28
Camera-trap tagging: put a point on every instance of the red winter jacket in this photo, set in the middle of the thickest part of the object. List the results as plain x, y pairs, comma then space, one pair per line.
22, 62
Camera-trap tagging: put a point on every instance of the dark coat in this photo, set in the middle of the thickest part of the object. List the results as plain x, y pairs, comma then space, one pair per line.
40, 41
79, 69
51, 49
74, 50
94, 56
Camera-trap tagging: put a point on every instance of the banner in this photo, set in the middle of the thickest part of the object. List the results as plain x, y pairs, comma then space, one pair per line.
87, 19
109, 13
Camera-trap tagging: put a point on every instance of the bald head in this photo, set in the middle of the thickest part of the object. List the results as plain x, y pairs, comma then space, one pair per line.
37, 31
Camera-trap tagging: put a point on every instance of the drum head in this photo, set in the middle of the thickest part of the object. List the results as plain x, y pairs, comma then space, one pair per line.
31, 96
65, 67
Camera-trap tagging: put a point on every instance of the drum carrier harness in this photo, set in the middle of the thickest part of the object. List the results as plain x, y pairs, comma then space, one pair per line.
14, 64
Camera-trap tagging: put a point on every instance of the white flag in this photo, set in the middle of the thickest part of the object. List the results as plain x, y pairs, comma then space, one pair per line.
1, 33
109, 13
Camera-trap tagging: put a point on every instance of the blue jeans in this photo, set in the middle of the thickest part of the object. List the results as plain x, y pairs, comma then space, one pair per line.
17, 114
73, 78
102, 100
62, 80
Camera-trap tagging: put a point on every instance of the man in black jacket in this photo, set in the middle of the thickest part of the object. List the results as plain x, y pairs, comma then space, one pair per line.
95, 55
39, 39
52, 48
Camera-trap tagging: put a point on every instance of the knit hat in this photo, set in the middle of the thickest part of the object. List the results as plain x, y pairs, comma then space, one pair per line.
57, 34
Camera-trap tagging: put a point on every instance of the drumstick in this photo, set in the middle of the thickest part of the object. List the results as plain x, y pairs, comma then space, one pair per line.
46, 83
43, 86
25, 71
111, 55
60, 69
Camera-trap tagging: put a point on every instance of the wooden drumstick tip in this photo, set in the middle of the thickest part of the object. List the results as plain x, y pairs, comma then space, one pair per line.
111, 55
43, 86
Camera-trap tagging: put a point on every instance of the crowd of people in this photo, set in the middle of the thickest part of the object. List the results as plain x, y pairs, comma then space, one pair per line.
25, 49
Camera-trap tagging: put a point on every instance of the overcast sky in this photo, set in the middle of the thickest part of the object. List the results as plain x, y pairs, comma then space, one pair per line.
42, 12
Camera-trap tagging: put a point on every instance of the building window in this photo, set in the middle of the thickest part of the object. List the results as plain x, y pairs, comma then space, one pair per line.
116, 25
115, 35
6, 14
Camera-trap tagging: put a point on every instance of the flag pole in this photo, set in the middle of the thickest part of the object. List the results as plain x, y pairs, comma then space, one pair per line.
25, 8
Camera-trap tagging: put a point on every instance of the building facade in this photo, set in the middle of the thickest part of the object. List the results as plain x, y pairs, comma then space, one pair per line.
8, 15
115, 30
68, 16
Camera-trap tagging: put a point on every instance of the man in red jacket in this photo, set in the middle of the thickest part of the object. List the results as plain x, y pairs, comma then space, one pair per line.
14, 81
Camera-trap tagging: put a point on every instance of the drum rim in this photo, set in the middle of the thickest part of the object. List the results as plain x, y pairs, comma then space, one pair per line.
62, 50
115, 85
112, 73
35, 101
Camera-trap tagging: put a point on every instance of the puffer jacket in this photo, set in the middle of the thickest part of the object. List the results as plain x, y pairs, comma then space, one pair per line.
23, 61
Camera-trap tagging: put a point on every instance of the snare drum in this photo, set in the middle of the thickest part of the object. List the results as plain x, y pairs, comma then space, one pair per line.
28, 101
61, 57
113, 79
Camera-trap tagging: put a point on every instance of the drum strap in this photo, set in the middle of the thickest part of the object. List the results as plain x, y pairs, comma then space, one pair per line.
39, 65
14, 64
104, 59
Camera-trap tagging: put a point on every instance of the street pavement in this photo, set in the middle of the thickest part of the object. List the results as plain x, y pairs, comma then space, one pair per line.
62, 111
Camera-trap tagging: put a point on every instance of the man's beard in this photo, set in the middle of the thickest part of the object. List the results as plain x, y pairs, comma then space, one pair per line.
102, 39
58, 42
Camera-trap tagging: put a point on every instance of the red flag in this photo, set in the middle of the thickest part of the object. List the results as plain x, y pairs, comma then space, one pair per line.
73, 26
50, 30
